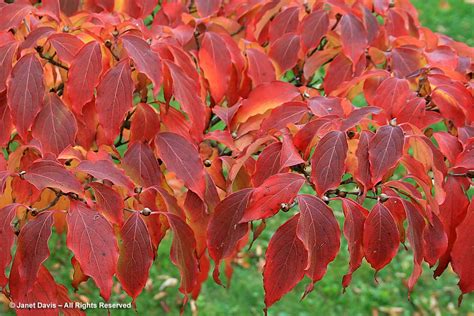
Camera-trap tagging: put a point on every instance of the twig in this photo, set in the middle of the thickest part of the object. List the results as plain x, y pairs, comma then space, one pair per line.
35, 212
50, 59
125, 125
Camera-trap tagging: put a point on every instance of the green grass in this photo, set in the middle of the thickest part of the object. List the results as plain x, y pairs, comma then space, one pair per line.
451, 17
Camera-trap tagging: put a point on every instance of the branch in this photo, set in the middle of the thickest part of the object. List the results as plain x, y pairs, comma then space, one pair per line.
50, 59
35, 212
125, 125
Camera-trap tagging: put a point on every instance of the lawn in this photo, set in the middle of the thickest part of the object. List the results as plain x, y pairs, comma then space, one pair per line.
245, 295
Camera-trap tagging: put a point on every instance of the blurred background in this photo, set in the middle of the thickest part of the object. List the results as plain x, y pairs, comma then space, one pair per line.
245, 295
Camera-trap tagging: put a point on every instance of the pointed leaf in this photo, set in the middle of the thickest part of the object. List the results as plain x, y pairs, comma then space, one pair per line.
380, 237
48, 173
114, 98
105, 170
67, 47
33, 248
284, 51
260, 68
463, 254
267, 96
385, 150
215, 61
416, 227
7, 236
355, 216
6, 125
145, 59
145, 123
353, 37
313, 27
109, 202
319, 231
7, 51
328, 161
141, 165
183, 251
136, 255
268, 197
55, 126
435, 239
224, 230
182, 158
285, 262
83, 76
91, 238
25, 92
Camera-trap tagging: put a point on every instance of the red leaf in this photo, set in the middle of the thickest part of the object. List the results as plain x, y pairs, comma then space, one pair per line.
67, 47
385, 150
260, 68
312, 28
466, 158
362, 173
34, 36
328, 161
268, 197
145, 123
114, 98
7, 236
55, 126
33, 248
462, 255
207, 7
215, 61
289, 154
109, 202
136, 255
7, 51
436, 241
182, 158
355, 216
183, 251
279, 118
48, 173
91, 238
285, 262
284, 51
186, 92
322, 106
268, 163
392, 95
451, 213
416, 227
83, 76
285, 22
353, 37
381, 237
319, 231
146, 60
105, 170
12, 15
141, 165
44, 290
449, 145
5, 121
26, 76
224, 230
267, 96
406, 60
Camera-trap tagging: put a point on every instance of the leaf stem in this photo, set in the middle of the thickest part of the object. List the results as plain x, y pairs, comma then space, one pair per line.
50, 59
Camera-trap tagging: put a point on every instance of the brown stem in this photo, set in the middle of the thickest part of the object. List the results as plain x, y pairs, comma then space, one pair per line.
50, 59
